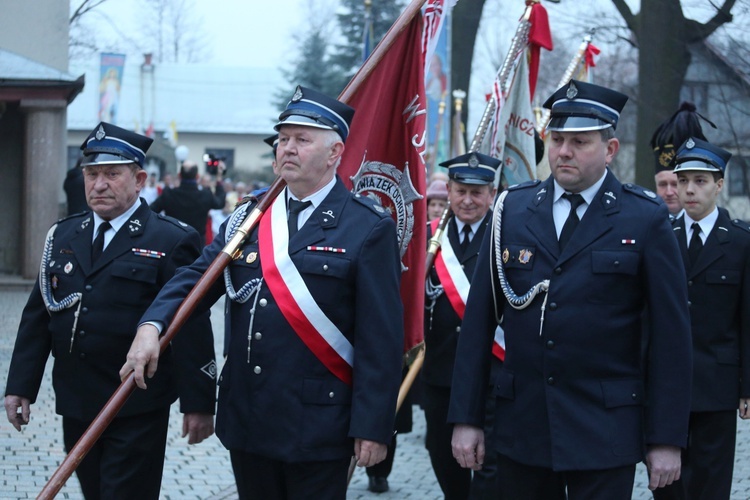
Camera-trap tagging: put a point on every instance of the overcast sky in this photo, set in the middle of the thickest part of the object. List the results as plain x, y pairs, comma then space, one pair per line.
242, 32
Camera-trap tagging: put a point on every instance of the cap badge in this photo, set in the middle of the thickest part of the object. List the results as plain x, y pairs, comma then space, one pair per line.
100, 133
297, 97
473, 161
572, 91
690, 144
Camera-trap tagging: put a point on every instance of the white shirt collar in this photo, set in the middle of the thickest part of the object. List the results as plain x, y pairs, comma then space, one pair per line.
706, 223
317, 197
118, 221
588, 193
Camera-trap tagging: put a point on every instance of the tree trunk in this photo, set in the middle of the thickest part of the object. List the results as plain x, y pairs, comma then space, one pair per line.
664, 60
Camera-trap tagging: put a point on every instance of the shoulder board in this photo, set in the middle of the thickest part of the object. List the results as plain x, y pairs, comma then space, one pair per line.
524, 185
741, 224
373, 205
641, 191
253, 197
175, 222
74, 216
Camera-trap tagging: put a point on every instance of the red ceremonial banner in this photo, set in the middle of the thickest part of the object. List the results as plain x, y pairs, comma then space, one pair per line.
384, 158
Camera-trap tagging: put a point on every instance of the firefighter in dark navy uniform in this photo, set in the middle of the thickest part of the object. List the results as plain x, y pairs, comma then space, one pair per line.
715, 251
100, 271
569, 265
470, 193
314, 358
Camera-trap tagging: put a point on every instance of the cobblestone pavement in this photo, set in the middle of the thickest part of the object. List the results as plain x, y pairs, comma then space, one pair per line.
203, 471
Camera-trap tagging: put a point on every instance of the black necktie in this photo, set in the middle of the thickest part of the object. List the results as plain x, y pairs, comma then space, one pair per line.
696, 243
98, 248
295, 207
465, 243
571, 223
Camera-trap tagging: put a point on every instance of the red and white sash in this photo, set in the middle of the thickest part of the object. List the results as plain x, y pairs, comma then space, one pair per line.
456, 287
294, 299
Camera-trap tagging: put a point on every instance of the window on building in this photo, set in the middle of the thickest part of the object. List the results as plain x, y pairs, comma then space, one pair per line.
224, 154
738, 175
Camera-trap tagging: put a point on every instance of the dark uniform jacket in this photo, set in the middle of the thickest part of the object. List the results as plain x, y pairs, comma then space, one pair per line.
442, 330
115, 293
719, 293
189, 204
576, 396
278, 400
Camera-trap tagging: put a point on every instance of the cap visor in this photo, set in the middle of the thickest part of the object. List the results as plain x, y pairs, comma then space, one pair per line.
105, 159
302, 121
576, 124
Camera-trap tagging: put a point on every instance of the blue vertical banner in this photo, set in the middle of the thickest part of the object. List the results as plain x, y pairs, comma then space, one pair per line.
111, 67
439, 100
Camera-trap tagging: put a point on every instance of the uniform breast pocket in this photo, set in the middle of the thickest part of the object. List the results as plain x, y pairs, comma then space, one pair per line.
135, 282
325, 265
614, 262
518, 256
723, 277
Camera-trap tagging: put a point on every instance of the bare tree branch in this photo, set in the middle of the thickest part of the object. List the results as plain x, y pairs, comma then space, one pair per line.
85, 7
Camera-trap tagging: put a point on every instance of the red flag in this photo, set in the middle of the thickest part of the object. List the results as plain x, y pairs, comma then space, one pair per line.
539, 36
384, 157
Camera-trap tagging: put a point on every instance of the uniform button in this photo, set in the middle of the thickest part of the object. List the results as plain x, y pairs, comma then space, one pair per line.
263, 302
553, 306
325, 267
462, 266
88, 288
330, 394
616, 263
551, 381
257, 370
558, 270
221, 378
84, 310
634, 396
458, 329
133, 271
258, 335
550, 344
82, 333
690, 304
723, 277
690, 283
82, 355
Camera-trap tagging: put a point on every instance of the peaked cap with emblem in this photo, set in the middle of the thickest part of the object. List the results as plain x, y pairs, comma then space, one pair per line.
109, 144
310, 108
580, 107
675, 131
696, 154
472, 168
273, 141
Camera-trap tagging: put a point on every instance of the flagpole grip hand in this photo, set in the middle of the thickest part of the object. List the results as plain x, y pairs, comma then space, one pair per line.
143, 356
